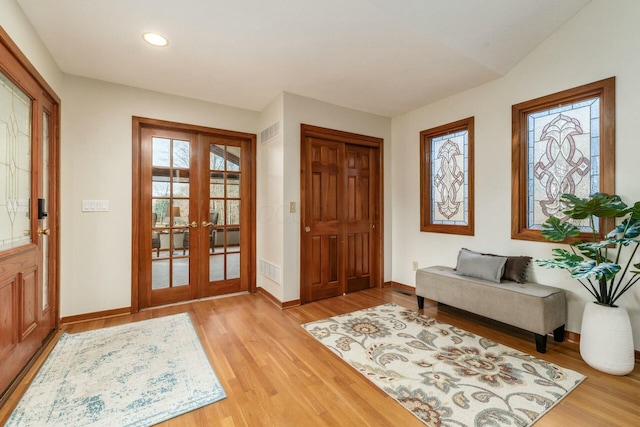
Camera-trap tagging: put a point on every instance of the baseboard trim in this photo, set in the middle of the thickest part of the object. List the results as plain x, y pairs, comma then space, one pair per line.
292, 303
403, 288
276, 301
95, 316
575, 338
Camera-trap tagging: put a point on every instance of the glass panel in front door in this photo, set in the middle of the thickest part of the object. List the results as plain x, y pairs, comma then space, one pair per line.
224, 212
44, 221
170, 202
15, 165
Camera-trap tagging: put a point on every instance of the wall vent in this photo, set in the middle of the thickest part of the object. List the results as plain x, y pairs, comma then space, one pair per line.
269, 133
270, 271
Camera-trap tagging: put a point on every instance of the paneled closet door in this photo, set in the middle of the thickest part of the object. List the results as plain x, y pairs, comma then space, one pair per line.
341, 206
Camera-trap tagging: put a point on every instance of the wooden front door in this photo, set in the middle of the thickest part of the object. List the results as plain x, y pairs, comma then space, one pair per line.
194, 189
341, 207
28, 212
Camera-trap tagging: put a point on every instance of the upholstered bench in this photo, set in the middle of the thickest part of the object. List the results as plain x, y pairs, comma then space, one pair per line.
530, 306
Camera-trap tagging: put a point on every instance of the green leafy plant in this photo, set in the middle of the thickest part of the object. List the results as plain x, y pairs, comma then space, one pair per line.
595, 264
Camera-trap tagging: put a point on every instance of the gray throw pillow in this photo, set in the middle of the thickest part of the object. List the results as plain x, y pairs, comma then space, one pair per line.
480, 266
515, 269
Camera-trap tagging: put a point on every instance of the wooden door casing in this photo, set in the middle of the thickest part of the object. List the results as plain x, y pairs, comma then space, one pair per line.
341, 227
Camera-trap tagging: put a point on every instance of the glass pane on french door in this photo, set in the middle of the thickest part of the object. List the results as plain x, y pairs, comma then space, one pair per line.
170, 216
224, 211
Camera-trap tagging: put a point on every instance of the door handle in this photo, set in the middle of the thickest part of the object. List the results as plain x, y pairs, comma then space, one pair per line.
207, 224
193, 225
45, 231
307, 229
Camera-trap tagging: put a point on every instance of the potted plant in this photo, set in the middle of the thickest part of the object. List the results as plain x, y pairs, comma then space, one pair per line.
605, 268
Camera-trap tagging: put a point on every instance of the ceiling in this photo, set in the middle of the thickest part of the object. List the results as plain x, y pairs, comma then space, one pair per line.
384, 57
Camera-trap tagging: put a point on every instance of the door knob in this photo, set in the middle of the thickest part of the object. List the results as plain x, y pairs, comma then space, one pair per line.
193, 225
307, 229
207, 224
46, 231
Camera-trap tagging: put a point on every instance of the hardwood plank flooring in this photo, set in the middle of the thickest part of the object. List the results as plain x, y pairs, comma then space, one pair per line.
275, 374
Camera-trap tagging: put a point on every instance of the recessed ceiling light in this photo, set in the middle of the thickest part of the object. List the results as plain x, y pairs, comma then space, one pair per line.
155, 39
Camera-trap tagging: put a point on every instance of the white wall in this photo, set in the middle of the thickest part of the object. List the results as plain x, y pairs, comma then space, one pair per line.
270, 204
599, 42
96, 159
16, 24
298, 110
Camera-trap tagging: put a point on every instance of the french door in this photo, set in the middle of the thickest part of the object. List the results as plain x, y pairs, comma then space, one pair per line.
341, 244
28, 212
195, 212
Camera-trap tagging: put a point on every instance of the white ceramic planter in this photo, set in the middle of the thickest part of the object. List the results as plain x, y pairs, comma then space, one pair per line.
606, 340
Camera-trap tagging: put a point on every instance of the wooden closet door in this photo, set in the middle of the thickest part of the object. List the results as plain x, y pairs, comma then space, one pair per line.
340, 200
361, 201
323, 233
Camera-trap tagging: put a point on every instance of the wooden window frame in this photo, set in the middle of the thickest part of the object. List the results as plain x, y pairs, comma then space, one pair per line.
605, 90
426, 178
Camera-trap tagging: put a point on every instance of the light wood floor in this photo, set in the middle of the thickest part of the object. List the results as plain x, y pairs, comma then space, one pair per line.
275, 374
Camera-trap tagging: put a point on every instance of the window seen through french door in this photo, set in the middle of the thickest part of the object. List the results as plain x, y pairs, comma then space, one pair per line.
197, 206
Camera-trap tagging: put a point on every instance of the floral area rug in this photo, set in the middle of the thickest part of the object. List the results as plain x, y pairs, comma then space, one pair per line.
138, 374
444, 375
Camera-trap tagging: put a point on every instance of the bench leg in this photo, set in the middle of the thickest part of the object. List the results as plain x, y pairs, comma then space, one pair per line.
541, 343
420, 302
558, 334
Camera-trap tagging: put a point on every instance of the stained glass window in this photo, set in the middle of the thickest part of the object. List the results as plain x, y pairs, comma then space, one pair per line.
563, 153
447, 178
562, 144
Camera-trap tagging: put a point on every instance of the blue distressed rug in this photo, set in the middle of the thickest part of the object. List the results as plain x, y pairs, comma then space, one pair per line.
138, 374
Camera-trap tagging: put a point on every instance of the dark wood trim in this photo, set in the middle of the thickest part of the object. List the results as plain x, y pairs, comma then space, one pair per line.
136, 168
269, 296
571, 336
411, 290
311, 131
291, 304
605, 89
96, 315
6, 40
185, 127
276, 301
426, 136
